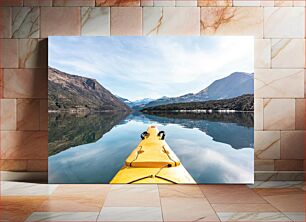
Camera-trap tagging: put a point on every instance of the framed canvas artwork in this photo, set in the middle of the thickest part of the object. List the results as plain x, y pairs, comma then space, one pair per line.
175, 110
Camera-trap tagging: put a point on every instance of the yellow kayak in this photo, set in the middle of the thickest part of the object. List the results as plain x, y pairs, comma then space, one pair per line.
153, 162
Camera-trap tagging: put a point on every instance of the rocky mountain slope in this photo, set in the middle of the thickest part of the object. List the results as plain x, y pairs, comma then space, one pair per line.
68, 92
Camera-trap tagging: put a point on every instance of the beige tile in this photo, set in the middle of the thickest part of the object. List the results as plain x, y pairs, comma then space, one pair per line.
25, 22
126, 21
24, 144
277, 184
63, 216
289, 165
146, 2
163, 3
160, 21
264, 165
279, 3
262, 207
133, 196
279, 176
278, 191
37, 2
292, 145
18, 208
13, 165
266, 3
5, 22
232, 21
237, 3
33, 53
258, 117
18, 188
267, 144
219, 3
286, 199
123, 3
8, 53
180, 191
186, 3
305, 83
73, 2
25, 83
90, 191
28, 114
253, 216
8, 114
299, 3
230, 194
296, 216
71, 204
37, 165
187, 209
95, 21
279, 83
51, 17
130, 214
262, 53
278, 19
285, 49
1, 83
300, 114
43, 114
279, 114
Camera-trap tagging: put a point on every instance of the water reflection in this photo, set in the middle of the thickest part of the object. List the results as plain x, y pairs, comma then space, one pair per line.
67, 130
230, 128
91, 149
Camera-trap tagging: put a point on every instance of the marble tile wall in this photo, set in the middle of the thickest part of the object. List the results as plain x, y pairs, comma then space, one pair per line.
277, 25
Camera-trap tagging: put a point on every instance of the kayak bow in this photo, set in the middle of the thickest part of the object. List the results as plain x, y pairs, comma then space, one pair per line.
153, 162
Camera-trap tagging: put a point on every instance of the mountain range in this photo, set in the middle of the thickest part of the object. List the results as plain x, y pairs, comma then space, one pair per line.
137, 103
240, 103
74, 93
234, 85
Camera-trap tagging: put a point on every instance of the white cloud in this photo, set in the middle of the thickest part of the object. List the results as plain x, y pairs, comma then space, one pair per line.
158, 65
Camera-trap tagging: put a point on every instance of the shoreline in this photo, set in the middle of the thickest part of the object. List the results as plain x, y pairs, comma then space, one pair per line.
197, 111
86, 111
155, 111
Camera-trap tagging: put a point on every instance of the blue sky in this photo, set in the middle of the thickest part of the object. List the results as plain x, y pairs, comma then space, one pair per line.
151, 67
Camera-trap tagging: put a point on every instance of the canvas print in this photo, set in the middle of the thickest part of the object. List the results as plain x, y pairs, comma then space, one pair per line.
175, 110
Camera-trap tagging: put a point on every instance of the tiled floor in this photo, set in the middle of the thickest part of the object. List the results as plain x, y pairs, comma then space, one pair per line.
270, 201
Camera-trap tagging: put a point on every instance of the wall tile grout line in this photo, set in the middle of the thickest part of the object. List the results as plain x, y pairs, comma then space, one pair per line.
210, 203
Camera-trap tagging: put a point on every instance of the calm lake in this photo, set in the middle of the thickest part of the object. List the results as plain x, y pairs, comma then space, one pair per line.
213, 147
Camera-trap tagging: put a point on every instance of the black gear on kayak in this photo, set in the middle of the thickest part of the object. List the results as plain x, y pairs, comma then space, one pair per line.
143, 135
161, 134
